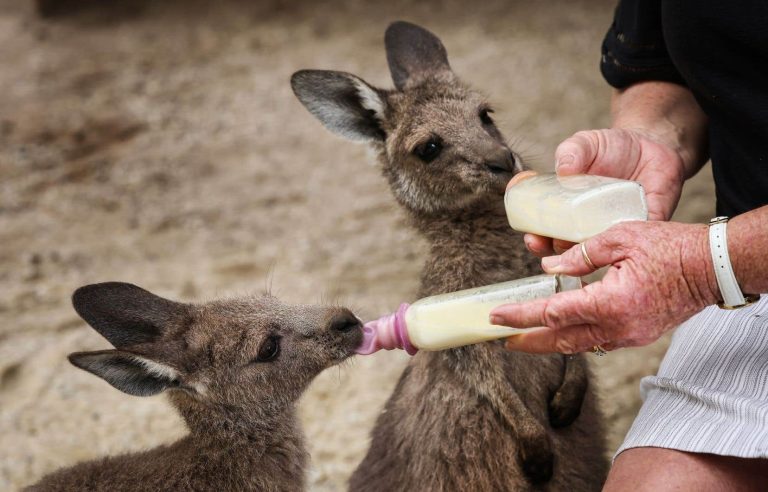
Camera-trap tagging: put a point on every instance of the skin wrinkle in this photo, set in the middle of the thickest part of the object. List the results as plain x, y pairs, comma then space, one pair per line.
595, 305
691, 287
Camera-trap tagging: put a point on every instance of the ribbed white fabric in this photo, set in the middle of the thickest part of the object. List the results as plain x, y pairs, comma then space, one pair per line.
711, 392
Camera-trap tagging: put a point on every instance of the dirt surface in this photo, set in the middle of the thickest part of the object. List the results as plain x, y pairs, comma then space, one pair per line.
159, 143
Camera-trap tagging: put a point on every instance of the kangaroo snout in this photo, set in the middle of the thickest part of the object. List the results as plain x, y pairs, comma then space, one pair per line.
502, 162
346, 330
345, 322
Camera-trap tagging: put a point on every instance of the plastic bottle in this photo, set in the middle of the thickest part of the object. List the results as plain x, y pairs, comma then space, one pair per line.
572, 208
457, 318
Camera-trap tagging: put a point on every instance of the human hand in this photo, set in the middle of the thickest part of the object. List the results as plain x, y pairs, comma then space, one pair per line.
619, 153
660, 274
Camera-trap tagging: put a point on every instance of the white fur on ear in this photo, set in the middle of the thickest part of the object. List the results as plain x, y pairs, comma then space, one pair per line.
156, 369
369, 98
128, 372
167, 372
336, 119
344, 103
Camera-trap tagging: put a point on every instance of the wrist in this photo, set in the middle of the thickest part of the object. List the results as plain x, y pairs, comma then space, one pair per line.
668, 114
698, 268
747, 241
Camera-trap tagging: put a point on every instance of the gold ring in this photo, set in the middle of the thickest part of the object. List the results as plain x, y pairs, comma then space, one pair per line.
599, 351
586, 257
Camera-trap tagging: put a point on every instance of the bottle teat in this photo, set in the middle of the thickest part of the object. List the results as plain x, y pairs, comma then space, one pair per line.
388, 332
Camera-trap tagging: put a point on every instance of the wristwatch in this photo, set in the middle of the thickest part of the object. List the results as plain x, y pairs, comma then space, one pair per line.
733, 298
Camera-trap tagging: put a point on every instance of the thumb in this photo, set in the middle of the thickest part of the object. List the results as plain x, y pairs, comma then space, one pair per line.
576, 154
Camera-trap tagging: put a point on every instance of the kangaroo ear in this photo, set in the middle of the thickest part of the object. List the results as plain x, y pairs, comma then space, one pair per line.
125, 314
130, 373
345, 104
413, 54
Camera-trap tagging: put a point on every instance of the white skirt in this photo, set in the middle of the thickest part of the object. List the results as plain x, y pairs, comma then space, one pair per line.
711, 392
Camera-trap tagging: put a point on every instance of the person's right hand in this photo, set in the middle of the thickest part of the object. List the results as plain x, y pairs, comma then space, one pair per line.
619, 153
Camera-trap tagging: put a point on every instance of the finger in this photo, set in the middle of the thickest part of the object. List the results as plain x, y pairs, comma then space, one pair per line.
521, 315
575, 154
611, 346
569, 340
660, 206
601, 250
560, 246
538, 245
567, 308
629, 342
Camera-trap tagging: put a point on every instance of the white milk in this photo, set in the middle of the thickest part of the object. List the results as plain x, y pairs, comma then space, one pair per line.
573, 208
461, 318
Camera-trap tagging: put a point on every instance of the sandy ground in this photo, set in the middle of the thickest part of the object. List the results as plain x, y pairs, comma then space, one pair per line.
159, 143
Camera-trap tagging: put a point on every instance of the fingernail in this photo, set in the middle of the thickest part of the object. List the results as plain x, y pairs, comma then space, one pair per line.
529, 243
511, 342
565, 161
496, 320
551, 264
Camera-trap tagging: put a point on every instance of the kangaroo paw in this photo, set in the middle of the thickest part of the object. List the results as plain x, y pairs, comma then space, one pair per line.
537, 459
565, 404
563, 410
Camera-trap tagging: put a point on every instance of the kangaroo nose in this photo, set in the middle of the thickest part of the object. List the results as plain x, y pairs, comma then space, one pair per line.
344, 322
504, 162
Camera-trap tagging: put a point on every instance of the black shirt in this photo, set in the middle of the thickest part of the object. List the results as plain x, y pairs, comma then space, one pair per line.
719, 50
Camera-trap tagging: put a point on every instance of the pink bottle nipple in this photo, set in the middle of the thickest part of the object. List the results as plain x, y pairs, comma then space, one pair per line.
388, 332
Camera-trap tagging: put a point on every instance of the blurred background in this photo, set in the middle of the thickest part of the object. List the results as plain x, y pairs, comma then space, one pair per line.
159, 143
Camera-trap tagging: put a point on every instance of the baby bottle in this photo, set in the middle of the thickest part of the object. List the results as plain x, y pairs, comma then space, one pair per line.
457, 318
572, 208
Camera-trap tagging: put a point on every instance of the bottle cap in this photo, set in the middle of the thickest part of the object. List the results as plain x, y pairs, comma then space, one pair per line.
520, 176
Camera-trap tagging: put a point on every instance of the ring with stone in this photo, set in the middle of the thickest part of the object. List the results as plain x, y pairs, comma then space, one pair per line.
599, 351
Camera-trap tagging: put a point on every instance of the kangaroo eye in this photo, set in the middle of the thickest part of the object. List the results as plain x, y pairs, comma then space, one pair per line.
485, 116
269, 350
429, 150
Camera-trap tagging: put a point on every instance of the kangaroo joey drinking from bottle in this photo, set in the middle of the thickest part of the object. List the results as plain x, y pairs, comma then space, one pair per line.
233, 368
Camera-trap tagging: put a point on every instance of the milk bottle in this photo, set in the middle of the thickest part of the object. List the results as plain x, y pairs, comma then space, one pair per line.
457, 318
573, 208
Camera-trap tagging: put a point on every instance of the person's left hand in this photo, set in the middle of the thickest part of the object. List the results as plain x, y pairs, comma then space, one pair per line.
660, 275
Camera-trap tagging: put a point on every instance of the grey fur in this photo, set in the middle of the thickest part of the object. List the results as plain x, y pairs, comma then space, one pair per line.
241, 415
477, 417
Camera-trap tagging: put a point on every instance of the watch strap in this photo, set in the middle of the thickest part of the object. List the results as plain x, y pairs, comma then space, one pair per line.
726, 278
